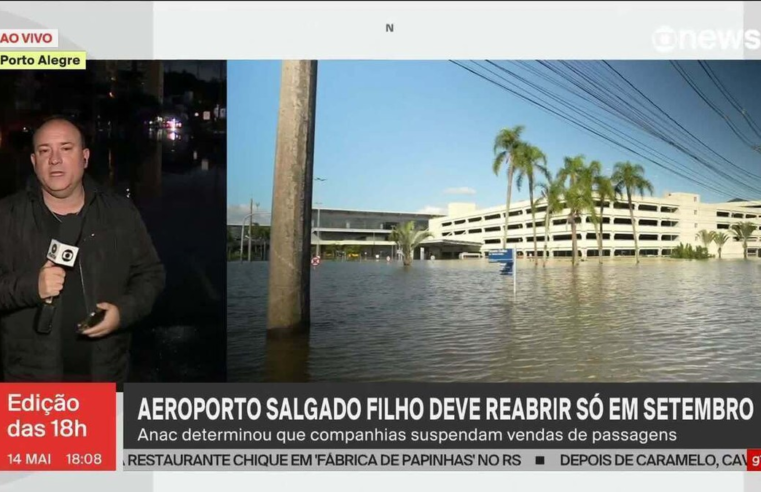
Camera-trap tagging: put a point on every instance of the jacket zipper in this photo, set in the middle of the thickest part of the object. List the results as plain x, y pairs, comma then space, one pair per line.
81, 272
84, 291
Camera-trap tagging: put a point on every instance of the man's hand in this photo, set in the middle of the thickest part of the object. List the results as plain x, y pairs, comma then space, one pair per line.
50, 282
110, 322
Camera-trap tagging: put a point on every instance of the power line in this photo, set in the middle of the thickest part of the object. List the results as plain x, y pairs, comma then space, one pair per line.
644, 125
694, 139
631, 114
599, 121
591, 130
666, 129
690, 81
717, 82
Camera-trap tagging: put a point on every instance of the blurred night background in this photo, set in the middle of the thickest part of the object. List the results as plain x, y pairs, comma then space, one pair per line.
157, 134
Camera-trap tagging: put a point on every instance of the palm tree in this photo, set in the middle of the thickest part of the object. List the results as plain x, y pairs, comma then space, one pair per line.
573, 168
578, 193
720, 238
265, 234
631, 177
592, 173
255, 234
578, 196
260, 237
552, 196
530, 160
742, 232
506, 143
407, 239
604, 189
705, 237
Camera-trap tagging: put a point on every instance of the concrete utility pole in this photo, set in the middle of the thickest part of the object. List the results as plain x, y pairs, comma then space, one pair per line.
288, 304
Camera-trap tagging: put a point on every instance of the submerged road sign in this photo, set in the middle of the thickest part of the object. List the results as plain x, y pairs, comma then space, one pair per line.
508, 258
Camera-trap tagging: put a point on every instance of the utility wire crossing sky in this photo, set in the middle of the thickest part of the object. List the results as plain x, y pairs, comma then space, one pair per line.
415, 136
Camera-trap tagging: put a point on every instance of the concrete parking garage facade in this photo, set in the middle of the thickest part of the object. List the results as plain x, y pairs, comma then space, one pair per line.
662, 224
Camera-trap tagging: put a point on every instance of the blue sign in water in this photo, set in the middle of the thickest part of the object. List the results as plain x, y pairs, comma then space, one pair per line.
502, 256
508, 259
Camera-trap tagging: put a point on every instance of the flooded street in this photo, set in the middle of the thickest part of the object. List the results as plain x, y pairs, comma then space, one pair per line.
179, 188
664, 320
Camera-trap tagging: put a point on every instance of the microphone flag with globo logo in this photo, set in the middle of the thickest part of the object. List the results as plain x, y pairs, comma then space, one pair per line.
62, 254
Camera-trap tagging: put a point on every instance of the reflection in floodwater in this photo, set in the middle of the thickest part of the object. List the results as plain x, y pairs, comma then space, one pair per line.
182, 204
664, 320
287, 359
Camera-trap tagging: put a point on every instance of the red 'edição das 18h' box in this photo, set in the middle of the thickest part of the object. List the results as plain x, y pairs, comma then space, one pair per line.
57, 426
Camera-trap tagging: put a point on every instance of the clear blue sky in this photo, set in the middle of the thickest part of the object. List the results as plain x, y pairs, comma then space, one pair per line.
408, 135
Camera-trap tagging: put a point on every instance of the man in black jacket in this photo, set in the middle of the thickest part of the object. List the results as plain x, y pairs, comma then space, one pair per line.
117, 268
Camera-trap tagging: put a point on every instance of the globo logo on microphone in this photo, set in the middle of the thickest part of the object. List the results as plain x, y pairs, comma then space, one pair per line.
62, 254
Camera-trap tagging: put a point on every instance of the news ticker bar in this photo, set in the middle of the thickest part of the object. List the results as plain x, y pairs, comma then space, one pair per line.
73, 426
441, 460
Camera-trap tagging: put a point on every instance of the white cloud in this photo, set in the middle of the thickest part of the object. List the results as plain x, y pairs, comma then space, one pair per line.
430, 209
463, 190
236, 214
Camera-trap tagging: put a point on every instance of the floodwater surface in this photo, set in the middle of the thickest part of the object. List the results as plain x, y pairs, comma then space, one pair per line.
459, 320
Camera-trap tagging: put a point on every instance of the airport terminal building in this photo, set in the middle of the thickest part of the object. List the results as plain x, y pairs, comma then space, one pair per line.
357, 235
365, 234
662, 223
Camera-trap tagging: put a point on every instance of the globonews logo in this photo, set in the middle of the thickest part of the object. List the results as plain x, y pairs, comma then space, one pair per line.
667, 39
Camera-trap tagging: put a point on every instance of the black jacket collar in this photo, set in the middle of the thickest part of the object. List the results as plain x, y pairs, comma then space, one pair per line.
39, 209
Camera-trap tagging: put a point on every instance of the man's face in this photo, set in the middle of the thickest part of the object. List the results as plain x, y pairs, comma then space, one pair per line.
59, 159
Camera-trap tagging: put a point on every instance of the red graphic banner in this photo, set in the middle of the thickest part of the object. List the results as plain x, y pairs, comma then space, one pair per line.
57, 426
754, 460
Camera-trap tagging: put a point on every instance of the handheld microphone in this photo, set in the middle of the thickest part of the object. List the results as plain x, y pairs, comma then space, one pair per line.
64, 255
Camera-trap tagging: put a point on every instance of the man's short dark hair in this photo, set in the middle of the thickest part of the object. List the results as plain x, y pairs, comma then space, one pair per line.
65, 119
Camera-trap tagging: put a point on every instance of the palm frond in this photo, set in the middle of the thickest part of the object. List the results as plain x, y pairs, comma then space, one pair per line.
743, 230
706, 237
519, 180
498, 160
720, 238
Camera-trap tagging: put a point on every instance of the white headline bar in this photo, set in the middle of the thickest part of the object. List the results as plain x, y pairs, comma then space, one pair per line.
452, 30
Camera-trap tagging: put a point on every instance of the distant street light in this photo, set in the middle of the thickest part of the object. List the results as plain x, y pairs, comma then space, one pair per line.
243, 234
250, 230
318, 227
319, 238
